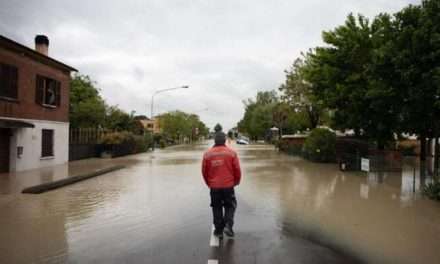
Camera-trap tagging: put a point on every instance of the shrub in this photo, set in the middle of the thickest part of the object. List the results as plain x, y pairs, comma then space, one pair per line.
292, 146
432, 190
320, 145
148, 137
136, 143
117, 138
140, 144
157, 137
408, 150
162, 143
408, 147
294, 149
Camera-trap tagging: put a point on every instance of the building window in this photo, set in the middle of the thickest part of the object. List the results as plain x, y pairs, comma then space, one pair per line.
47, 143
8, 82
48, 92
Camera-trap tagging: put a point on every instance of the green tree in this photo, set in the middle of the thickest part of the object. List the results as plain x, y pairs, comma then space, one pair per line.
343, 76
298, 93
296, 122
417, 61
262, 121
177, 125
198, 128
173, 124
118, 119
259, 115
87, 108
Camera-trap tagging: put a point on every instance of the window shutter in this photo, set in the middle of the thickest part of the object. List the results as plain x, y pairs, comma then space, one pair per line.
13, 83
58, 93
39, 91
3, 84
47, 143
8, 81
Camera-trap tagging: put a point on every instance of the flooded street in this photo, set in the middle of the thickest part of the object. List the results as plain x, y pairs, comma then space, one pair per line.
289, 211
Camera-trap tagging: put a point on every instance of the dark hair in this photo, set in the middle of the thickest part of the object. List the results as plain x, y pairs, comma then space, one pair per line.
220, 138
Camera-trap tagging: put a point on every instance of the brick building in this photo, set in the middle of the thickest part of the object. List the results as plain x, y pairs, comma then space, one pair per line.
34, 106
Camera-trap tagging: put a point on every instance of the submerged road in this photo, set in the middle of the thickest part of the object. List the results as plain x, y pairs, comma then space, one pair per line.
157, 211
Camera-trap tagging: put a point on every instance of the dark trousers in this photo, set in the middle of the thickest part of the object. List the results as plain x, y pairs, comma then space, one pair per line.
223, 199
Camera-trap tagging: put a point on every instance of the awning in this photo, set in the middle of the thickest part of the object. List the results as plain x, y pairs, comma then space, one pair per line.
11, 123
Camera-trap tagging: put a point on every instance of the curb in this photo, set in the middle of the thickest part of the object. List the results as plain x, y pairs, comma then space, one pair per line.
41, 188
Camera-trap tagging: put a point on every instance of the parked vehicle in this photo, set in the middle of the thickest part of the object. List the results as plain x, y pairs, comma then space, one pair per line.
242, 141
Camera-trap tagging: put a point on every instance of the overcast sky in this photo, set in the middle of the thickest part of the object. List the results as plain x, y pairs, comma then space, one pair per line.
225, 50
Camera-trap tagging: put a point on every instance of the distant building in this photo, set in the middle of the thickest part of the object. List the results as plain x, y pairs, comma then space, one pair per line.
34, 106
152, 125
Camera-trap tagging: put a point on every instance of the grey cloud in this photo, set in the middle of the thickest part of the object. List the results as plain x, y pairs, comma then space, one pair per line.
225, 50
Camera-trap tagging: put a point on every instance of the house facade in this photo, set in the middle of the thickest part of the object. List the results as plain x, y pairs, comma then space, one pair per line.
34, 106
152, 125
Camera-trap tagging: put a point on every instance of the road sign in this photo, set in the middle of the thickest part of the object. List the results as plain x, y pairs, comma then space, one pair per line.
365, 164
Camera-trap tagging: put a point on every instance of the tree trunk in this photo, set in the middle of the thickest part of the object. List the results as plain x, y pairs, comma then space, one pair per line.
422, 173
357, 132
381, 144
422, 147
313, 117
436, 157
429, 147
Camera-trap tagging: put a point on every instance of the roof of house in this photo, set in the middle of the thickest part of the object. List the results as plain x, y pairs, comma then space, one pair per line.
141, 117
13, 123
19, 48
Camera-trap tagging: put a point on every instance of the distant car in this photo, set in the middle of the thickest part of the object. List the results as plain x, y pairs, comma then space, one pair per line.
242, 141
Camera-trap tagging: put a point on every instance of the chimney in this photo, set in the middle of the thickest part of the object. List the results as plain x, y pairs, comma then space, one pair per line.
42, 44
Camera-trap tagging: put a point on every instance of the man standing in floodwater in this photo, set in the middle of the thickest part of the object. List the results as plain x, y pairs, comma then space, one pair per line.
221, 172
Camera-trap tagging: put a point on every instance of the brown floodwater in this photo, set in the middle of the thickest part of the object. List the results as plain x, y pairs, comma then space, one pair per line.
378, 217
156, 211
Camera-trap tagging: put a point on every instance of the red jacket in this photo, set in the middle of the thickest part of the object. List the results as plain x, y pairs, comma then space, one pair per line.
221, 167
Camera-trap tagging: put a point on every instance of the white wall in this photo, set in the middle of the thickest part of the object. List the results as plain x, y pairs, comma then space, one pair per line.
30, 140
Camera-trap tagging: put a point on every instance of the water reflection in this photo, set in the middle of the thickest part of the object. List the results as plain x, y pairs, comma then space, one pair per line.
411, 180
379, 216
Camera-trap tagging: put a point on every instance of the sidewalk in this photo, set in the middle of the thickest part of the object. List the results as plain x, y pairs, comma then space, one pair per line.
15, 182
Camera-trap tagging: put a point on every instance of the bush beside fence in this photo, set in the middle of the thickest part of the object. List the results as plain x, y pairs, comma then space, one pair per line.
322, 145
318, 146
88, 143
292, 145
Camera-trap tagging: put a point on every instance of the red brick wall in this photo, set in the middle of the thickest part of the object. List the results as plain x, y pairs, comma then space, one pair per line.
26, 106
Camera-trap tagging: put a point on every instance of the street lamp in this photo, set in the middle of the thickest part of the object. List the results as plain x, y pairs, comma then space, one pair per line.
152, 104
161, 91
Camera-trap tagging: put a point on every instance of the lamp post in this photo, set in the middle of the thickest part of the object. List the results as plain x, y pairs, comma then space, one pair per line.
152, 104
161, 91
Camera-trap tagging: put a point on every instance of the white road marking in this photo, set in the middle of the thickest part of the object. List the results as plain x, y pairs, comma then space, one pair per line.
214, 241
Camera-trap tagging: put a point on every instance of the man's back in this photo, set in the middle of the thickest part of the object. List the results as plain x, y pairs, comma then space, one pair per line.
221, 167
